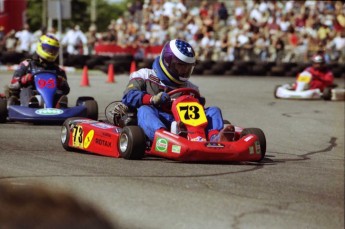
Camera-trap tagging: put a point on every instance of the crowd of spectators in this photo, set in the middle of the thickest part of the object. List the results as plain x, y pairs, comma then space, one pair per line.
285, 31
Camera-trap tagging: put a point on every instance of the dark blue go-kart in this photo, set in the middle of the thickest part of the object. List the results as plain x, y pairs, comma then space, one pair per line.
47, 112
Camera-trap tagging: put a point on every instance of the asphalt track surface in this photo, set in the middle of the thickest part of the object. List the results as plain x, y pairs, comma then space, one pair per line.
300, 184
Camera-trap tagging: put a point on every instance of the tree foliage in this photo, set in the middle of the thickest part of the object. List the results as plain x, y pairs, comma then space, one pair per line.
81, 11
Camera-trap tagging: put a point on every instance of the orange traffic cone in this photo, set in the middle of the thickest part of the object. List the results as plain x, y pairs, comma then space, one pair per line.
111, 74
85, 77
133, 67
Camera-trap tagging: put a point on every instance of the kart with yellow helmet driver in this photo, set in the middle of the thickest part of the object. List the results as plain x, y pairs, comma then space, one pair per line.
39, 95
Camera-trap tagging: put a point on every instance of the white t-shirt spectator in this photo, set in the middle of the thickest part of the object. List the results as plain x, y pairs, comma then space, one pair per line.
25, 39
73, 39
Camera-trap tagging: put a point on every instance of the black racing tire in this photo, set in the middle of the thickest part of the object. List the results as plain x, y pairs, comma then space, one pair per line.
261, 136
226, 121
65, 134
132, 143
91, 109
13, 100
3, 110
327, 93
82, 99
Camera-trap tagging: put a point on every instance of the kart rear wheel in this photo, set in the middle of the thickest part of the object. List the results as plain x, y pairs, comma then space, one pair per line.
92, 109
327, 93
3, 110
132, 143
261, 136
65, 135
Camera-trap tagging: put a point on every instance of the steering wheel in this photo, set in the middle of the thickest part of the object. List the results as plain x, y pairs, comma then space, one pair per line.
185, 91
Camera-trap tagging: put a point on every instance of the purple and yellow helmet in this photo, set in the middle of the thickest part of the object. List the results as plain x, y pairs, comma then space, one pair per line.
177, 61
48, 47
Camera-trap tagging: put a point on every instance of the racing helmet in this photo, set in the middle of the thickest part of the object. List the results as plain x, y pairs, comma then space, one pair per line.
177, 60
318, 59
48, 47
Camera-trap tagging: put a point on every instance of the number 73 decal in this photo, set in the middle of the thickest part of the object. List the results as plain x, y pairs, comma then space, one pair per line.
191, 113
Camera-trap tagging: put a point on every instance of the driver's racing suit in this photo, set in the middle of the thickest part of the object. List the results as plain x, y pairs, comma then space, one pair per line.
320, 78
143, 84
22, 82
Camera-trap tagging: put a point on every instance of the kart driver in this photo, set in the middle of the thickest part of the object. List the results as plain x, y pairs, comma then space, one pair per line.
43, 59
322, 77
148, 89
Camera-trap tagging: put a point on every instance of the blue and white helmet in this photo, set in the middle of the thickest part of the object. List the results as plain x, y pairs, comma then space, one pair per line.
177, 61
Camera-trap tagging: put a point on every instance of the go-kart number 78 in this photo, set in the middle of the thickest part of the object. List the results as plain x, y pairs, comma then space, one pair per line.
191, 113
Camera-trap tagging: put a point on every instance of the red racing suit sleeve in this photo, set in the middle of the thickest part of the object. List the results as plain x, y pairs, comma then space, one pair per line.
320, 79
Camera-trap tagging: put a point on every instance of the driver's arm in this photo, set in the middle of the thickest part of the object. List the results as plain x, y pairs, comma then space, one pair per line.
135, 94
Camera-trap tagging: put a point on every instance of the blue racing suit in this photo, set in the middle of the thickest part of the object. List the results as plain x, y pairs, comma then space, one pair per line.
143, 84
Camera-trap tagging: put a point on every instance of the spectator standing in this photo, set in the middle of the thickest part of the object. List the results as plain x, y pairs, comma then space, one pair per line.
25, 39
92, 39
223, 13
75, 40
337, 47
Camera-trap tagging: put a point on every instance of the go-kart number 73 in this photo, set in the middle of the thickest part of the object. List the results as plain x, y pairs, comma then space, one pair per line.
191, 113
78, 136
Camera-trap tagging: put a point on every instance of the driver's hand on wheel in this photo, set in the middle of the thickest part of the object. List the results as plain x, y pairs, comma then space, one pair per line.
160, 98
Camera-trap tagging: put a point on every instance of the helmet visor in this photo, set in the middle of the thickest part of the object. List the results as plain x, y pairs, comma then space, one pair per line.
181, 69
53, 50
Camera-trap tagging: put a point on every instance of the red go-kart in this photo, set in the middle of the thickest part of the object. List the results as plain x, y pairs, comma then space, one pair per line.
188, 144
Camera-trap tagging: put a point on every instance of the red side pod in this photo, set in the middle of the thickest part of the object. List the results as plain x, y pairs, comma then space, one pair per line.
95, 137
171, 146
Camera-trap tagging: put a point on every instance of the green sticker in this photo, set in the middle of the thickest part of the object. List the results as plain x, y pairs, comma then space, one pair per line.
161, 145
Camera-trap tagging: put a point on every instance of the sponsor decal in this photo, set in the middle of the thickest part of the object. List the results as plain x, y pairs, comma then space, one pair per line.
251, 150
88, 139
106, 134
214, 145
102, 142
161, 145
257, 147
176, 149
102, 125
49, 111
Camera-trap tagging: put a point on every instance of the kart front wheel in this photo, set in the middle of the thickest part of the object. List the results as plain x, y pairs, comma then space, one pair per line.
260, 135
132, 143
3, 110
65, 135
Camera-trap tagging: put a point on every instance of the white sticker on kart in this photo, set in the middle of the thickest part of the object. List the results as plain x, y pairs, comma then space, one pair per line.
248, 138
49, 111
102, 125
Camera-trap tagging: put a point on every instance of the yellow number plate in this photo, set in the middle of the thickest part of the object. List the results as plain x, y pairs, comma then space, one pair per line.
304, 78
191, 113
78, 136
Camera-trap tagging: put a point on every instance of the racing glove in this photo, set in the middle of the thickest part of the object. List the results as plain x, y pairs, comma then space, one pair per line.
160, 98
26, 79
